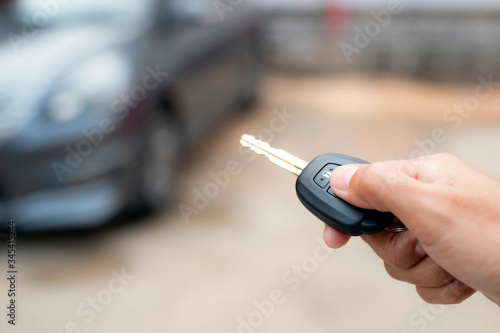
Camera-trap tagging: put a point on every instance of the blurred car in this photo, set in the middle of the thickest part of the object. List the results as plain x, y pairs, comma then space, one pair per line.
98, 100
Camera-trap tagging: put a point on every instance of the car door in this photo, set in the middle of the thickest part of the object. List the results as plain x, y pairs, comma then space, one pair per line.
207, 71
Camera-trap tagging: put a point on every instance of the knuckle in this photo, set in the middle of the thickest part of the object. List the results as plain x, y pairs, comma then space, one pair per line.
435, 275
404, 254
399, 250
410, 167
425, 273
447, 157
393, 271
454, 292
417, 161
444, 160
395, 258
398, 254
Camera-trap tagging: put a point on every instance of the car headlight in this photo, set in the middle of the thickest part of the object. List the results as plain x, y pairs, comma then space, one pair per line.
90, 88
65, 105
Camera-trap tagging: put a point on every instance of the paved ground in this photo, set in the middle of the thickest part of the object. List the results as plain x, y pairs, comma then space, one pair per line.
233, 266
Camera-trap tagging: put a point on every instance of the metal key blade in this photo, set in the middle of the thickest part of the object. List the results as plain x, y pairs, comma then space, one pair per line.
277, 156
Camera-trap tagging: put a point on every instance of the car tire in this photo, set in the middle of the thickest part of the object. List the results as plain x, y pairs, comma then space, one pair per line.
158, 165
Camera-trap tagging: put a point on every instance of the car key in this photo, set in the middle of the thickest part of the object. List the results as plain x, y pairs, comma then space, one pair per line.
314, 191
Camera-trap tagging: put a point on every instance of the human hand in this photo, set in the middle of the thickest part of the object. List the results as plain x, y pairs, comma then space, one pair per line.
452, 211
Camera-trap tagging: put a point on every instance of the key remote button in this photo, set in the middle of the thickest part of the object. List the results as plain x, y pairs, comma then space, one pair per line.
334, 211
323, 177
330, 191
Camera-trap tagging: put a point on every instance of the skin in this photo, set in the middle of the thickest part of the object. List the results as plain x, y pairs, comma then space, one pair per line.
452, 212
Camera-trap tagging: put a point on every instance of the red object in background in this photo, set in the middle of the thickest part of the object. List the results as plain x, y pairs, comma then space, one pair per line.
338, 17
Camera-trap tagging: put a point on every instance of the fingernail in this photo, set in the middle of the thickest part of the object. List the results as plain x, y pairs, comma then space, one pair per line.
341, 177
420, 250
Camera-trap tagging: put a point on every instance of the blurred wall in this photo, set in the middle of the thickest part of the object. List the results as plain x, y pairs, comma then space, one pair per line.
432, 44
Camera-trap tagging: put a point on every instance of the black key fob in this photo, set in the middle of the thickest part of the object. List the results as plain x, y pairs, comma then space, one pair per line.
314, 191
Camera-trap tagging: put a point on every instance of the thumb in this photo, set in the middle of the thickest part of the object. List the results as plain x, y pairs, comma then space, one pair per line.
386, 187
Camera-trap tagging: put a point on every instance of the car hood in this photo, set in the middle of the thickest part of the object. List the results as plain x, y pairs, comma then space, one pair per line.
31, 63
29, 71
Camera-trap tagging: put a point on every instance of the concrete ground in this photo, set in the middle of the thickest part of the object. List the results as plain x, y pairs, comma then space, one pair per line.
250, 257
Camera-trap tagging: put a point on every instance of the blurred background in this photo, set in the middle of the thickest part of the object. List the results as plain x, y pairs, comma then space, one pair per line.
138, 211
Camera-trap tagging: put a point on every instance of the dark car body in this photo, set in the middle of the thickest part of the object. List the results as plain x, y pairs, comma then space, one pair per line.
92, 106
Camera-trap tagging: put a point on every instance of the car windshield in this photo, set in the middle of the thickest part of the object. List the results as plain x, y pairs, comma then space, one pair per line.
53, 13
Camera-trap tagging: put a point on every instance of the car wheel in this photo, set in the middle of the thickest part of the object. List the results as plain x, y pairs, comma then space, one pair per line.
159, 164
